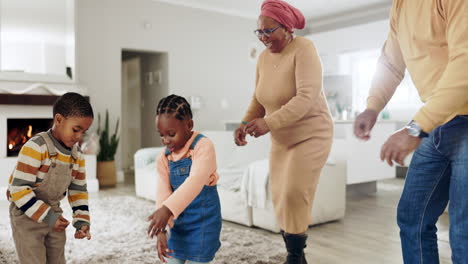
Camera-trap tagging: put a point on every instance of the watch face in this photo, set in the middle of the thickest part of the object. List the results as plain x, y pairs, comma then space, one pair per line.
413, 131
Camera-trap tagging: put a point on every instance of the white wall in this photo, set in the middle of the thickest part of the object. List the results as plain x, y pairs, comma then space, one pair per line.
207, 54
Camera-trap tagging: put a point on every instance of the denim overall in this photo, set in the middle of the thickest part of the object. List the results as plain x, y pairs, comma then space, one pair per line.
36, 242
195, 235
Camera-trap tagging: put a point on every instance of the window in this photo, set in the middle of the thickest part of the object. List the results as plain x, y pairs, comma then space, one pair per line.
361, 65
37, 37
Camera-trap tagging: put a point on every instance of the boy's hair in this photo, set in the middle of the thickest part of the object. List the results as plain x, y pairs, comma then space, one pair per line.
73, 105
176, 105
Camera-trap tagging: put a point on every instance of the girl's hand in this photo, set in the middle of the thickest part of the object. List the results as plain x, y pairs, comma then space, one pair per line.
257, 127
239, 135
159, 221
83, 232
163, 250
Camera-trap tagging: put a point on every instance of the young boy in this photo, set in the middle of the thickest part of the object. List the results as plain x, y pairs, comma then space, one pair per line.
49, 165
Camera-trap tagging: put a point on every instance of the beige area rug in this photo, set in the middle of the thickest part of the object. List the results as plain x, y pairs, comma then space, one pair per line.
119, 236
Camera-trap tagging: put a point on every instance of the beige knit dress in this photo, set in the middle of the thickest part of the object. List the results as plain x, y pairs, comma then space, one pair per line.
289, 96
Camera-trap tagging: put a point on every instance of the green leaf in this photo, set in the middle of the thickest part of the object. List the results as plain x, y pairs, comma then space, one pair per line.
108, 143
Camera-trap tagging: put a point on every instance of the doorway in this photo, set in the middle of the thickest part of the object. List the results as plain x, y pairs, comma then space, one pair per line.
144, 83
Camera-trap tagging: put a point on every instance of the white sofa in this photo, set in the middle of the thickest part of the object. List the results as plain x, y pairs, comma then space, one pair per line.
232, 161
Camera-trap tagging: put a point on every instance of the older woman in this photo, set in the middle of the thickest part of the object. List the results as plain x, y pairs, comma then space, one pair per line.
289, 103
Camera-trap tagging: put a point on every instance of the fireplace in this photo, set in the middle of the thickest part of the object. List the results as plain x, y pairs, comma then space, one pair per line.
20, 130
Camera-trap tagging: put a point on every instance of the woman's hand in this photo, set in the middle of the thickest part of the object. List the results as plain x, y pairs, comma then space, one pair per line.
257, 127
239, 135
163, 250
159, 221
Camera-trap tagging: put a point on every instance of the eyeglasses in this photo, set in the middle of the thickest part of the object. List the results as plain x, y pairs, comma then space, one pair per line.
266, 32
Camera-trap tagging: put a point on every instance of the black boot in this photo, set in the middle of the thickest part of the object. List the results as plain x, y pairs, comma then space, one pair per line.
295, 245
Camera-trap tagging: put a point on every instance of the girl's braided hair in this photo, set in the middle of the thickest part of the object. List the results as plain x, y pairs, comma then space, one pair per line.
175, 105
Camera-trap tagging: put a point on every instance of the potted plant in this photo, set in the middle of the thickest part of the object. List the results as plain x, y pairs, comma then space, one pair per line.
108, 144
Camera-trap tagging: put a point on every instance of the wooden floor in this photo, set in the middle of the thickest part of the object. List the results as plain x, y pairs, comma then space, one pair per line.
367, 235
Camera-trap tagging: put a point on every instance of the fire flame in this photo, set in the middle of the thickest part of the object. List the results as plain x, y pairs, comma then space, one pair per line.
29, 134
19, 138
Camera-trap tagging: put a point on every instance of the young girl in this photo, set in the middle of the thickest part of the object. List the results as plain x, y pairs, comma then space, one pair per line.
187, 196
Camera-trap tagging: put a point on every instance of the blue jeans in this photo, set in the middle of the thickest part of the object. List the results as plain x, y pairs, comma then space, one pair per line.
438, 173
179, 261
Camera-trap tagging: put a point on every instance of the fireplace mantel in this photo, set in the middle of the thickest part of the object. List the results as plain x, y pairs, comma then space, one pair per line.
28, 99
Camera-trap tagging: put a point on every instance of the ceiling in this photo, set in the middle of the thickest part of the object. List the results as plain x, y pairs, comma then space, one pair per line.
325, 15
251, 8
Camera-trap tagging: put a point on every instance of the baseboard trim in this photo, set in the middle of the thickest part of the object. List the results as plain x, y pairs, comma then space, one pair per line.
401, 172
362, 188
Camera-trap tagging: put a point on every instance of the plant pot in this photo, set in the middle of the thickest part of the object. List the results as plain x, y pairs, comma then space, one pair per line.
106, 174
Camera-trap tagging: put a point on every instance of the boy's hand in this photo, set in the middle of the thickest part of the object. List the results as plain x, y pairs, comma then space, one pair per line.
162, 247
61, 224
83, 232
159, 221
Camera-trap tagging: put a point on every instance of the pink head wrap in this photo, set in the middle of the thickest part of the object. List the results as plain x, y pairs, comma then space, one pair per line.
286, 14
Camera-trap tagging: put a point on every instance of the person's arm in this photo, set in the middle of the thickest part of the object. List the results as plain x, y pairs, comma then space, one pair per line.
255, 109
164, 189
451, 92
78, 196
24, 179
162, 216
203, 166
308, 74
390, 69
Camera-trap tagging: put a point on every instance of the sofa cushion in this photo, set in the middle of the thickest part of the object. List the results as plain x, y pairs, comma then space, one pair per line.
145, 156
229, 155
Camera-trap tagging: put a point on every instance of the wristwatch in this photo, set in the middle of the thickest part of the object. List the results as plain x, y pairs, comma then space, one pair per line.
415, 130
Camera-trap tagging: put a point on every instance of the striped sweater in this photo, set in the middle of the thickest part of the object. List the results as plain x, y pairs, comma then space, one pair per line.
32, 166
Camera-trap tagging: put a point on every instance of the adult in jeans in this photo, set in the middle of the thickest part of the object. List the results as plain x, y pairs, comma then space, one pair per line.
289, 103
429, 38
